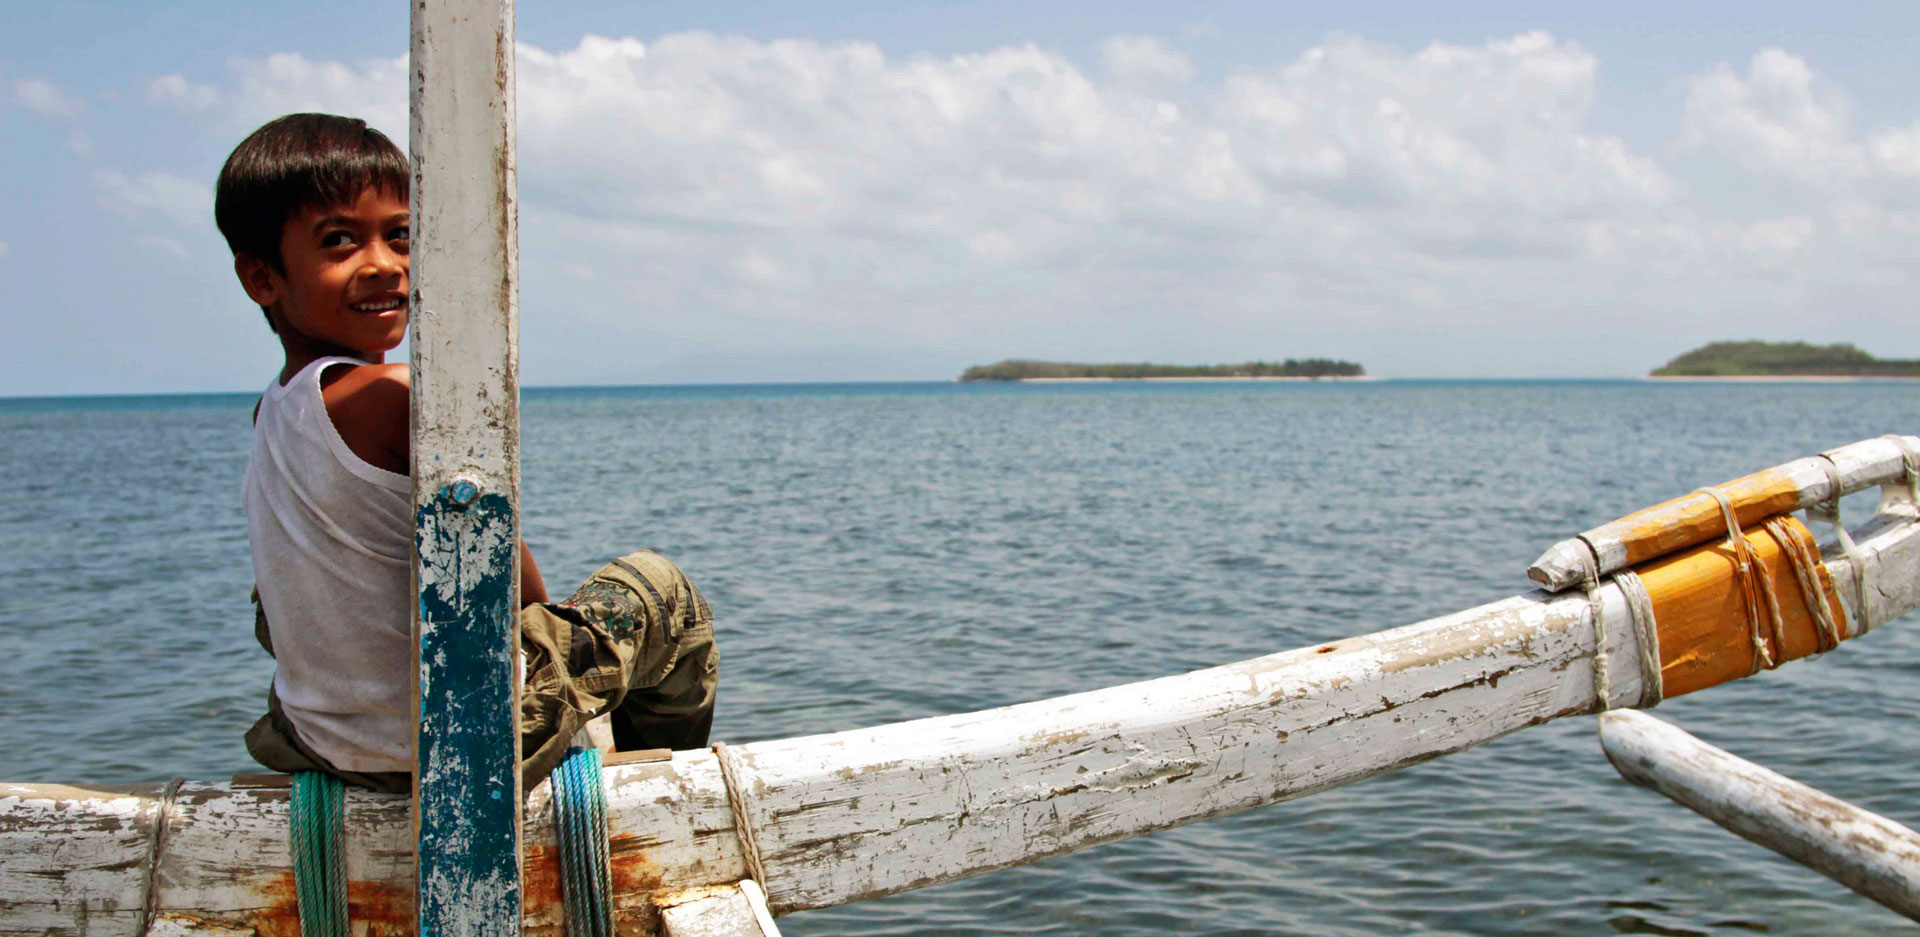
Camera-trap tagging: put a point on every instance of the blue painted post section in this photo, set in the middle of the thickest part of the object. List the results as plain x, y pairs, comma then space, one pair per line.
466, 468
468, 755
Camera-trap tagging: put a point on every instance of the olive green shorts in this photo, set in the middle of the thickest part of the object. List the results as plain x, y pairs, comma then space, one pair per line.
635, 641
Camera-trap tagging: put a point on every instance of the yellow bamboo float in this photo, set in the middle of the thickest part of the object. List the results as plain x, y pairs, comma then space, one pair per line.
1703, 604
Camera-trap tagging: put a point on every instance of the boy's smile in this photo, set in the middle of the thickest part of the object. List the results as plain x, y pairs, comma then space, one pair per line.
344, 289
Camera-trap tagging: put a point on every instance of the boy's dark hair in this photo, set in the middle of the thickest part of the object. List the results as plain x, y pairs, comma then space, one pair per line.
295, 162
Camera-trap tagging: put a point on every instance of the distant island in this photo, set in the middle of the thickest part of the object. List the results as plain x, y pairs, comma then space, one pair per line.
1783, 359
1296, 368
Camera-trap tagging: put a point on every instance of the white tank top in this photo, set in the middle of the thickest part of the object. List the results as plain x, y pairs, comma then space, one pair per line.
332, 543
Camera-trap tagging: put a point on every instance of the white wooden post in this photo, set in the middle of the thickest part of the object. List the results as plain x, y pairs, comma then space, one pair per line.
466, 468
1864, 851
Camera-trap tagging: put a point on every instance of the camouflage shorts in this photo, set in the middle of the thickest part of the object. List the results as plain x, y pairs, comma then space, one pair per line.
635, 641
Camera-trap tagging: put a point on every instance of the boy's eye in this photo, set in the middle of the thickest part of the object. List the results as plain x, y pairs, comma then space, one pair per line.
336, 239
399, 234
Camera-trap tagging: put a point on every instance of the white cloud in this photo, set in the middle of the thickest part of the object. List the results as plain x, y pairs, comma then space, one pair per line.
288, 82
1358, 199
6, 250
1144, 61
79, 143
755, 267
176, 199
45, 97
1776, 238
1776, 119
176, 91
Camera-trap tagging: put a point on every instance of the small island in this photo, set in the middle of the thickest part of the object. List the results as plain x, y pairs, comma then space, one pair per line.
1784, 359
1298, 369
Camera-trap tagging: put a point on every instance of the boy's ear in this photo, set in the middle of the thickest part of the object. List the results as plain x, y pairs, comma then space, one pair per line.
258, 279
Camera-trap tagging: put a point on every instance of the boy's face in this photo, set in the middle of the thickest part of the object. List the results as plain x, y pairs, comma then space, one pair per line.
344, 291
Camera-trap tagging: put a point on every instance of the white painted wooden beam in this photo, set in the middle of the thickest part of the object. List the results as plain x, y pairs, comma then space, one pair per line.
738, 910
1859, 849
466, 468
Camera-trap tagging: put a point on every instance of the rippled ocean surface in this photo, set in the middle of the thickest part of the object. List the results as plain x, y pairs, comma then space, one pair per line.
879, 552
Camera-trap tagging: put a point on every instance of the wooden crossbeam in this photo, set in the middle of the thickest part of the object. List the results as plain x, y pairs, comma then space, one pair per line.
1857, 848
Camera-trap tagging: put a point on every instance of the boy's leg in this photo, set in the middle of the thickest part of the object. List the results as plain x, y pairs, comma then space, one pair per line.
677, 712
637, 636
273, 742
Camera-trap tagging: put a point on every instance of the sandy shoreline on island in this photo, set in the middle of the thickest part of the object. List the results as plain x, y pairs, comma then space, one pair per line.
1781, 378
1223, 377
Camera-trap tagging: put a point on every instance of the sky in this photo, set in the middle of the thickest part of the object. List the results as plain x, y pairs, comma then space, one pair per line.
861, 191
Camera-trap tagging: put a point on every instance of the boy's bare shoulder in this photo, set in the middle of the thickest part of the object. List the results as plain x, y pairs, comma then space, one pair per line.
369, 408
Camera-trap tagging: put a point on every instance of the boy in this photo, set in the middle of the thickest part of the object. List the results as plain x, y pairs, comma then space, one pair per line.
314, 208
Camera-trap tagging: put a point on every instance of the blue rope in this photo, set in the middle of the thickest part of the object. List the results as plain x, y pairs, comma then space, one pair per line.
318, 822
580, 821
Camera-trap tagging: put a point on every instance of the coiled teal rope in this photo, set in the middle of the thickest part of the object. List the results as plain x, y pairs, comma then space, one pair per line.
580, 819
318, 821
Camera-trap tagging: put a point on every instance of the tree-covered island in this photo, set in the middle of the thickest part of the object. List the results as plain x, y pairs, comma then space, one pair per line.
1783, 359
1024, 370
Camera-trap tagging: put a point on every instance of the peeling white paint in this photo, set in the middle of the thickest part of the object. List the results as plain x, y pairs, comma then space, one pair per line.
1857, 848
872, 811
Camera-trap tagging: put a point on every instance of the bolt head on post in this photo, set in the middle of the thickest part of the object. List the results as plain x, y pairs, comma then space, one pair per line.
463, 491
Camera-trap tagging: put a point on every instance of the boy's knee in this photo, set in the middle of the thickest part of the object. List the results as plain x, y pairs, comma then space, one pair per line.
636, 637
667, 585
646, 607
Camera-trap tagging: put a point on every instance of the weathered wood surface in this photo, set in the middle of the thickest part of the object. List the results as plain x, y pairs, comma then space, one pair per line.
738, 910
1857, 848
75, 860
1694, 519
873, 811
465, 467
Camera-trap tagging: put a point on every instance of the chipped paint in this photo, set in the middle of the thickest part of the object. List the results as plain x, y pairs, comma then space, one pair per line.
1864, 851
465, 470
1694, 519
875, 811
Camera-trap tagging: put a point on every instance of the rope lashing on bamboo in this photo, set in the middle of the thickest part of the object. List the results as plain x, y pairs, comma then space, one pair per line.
1804, 557
580, 826
317, 840
1646, 635
737, 802
1640, 605
1755, 588
1829, 511
1909, 459
1602, 677
162, 817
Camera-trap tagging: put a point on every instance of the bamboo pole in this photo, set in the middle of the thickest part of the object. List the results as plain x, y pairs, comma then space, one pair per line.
1857, 848
1694, 519
1706, 638
466, 469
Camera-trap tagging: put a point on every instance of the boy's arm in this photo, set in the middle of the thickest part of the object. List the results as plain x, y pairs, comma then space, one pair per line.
532, 587
369, 408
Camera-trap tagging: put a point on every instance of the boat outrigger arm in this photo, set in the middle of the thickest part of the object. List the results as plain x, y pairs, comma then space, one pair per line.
859, 814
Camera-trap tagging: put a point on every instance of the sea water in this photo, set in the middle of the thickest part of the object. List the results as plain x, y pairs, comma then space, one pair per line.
879, 552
